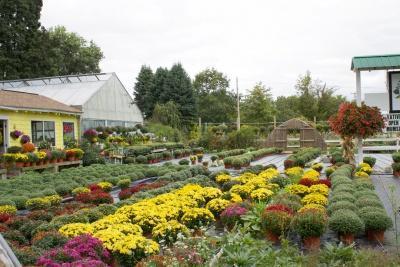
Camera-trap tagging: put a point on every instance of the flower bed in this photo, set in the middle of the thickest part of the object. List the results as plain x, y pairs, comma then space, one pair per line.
244, 160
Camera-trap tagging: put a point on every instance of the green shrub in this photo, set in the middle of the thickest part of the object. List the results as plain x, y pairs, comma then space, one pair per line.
37, 203
365, 193
370, 160
29, 227
69, 218
106, 209
8, 202
280, 180
310, 223
342, 196
370, 209
129, 160
14, 149
329, 171
63, 189
396, 157
49, 240
340, 205
92, 214
184, 162
361, 185
376, 221
15, 235
396, 166
19, 202
349, 188
124, 183
141, 159
368, 202
346, 222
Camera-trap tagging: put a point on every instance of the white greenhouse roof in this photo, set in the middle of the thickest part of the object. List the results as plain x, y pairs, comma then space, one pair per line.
74, 90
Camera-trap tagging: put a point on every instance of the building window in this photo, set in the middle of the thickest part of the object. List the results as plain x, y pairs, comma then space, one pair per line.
43, 131
92, 124
68, 130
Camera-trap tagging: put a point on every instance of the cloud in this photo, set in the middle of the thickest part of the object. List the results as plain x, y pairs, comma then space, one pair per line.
255, 40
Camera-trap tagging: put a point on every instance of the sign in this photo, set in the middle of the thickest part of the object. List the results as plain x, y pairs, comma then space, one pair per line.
394, 91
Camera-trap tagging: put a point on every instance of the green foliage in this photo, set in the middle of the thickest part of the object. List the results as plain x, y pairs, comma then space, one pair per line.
340, 205
161, 131
124, 183
258, 105
346, 222
216, 104
311, 223
396, 157
167, 114
245, 137
370, 160
375, 220
142, 91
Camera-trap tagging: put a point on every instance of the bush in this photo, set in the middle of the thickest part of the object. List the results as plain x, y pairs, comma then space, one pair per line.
346, 222
376, 221
370, 160
342, 196
368, 202
395, 157
14, 149
129, 160
329, 171
310, 223
141, 159
37, 203
106, 209
340, 205
396, 166
365, 193
48, 240
276, 219
124, 183
184, 162
19, 202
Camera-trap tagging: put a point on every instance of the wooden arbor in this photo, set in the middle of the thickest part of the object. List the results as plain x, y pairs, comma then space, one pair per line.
309, 136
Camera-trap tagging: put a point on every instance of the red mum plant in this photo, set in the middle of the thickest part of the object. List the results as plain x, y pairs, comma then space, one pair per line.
95, 197
94, 187
124, 194
4, 217
232, 215
325, 182
307, 182
352, 122
278, 207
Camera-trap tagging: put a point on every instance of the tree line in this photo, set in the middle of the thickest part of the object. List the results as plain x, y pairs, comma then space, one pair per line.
170, 97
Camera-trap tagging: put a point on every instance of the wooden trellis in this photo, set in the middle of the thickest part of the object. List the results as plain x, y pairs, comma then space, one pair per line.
309, 136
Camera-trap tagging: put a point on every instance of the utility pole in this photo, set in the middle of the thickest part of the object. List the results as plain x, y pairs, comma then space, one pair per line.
238, 105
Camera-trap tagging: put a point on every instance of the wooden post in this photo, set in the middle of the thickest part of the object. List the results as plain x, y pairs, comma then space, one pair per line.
199, 126
274, 122
238, 105
358, 99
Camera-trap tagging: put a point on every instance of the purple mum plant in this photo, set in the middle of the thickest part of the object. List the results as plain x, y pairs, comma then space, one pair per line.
25, 139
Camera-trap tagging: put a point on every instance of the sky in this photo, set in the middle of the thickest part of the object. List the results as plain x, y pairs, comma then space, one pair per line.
255, 40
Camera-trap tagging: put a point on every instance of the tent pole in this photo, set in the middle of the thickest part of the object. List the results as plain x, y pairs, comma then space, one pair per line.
358, 101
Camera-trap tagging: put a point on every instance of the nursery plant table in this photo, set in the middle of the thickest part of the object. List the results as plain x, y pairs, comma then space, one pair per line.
54, 166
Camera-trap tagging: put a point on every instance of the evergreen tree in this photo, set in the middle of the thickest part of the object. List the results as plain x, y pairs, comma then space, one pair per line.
167, 114
159, 84
19, 35
178, 88
142, 90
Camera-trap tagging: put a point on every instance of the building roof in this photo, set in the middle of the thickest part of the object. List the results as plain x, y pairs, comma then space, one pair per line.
74, 90
27, 101
377, 62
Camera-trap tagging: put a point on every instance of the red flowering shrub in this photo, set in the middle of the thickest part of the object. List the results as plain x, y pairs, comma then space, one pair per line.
94, 187
124, 194
147, 186
307, 182
325, 182
278, 207
95, 197
352, 121
4, 217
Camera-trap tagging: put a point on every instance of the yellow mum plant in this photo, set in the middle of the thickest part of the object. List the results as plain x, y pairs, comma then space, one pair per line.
261, 194
361, 174
269, 173
312, 206
169, 231
197, 217
294, 171
315, 198
242, 190
246, 177
8, 209
106, 186
223, 178
80, 190
297, 189
217, 205
311, 174
75, 229
319, 188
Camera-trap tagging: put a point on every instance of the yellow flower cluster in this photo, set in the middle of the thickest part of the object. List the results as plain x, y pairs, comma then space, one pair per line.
311, 174
294, 171
317, 166
40, 155
297, 189
261, 194
322, 189
169, 231
367, 170
8, 209
197, 217
19, 157
312, 206
106, 186
217, 205
242, 190
223, 178
80, 190
361, 174
269, 173
55, 200
314, 198
232, 197
116, 241
246, 177
75, 229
